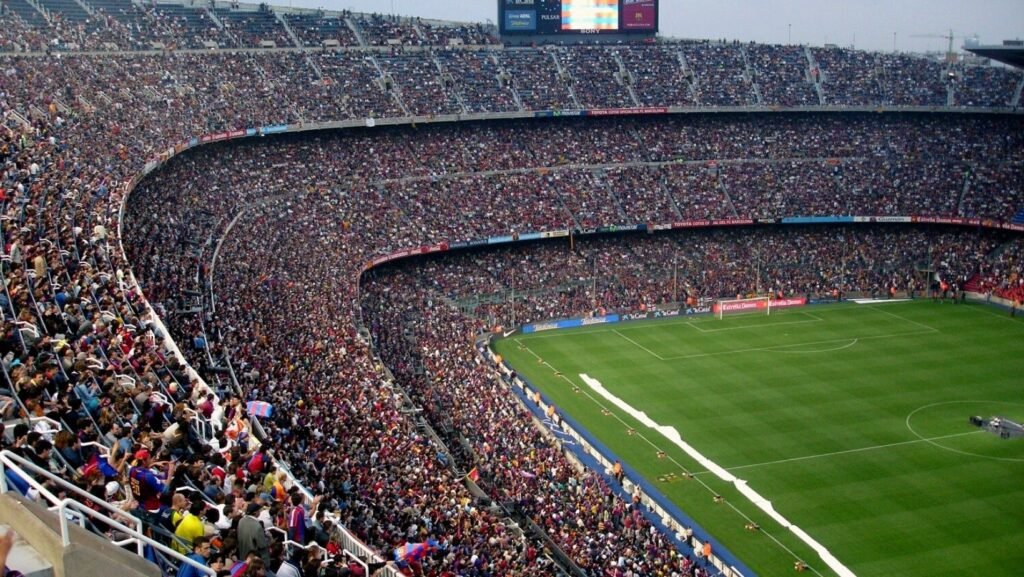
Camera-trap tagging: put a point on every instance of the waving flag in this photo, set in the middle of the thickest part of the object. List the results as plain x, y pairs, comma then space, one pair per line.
415, 552
259, 408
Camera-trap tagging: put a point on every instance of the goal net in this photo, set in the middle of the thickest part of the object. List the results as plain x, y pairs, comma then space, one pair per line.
757, 305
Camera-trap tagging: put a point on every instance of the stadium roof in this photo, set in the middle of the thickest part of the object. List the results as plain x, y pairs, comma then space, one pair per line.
1010, 52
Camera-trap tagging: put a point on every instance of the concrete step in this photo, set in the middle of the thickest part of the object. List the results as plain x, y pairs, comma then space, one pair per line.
25, 558
88, 555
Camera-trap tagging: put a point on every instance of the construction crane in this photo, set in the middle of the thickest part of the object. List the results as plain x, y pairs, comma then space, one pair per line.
951, 56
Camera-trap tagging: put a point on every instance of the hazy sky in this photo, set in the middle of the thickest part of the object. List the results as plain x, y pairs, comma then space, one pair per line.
866, 24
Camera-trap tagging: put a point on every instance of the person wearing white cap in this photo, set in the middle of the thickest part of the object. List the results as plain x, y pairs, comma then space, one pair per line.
112, 489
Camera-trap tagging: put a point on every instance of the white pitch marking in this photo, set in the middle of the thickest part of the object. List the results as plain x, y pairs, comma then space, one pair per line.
670, 458
834, 453
833, 349
672, 435
777, 348
906, 320
649, 351
758, 326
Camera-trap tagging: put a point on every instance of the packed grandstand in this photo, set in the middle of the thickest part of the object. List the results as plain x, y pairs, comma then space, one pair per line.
157, 297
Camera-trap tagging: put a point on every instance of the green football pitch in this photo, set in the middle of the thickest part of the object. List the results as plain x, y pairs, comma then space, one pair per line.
852, 420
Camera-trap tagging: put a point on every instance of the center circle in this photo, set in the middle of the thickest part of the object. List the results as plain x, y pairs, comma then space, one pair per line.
933, 439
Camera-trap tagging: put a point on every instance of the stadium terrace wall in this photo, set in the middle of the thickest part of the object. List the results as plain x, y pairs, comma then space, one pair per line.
726, 561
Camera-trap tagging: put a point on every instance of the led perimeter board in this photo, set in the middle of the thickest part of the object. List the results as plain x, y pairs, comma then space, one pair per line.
575, 17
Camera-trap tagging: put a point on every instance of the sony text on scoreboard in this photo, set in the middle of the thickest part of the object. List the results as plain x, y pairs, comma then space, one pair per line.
554, 17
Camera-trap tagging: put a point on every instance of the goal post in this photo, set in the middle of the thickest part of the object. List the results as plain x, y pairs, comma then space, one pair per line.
756, 305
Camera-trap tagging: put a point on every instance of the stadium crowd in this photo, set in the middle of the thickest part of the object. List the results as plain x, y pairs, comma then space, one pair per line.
636, 272
270, 284
83, 348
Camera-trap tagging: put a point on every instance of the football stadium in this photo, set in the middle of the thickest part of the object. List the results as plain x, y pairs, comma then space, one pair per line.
322, 293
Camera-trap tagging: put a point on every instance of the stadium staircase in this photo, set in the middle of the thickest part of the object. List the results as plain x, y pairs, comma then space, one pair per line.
566, 79
85, 6
52, 541
601, 181
691, 83
973, 284
313, 65
29, 11
16, 116
419, 32
24, 558
389, 85
287, 29
625, 78
506, 79
1016, 93
354, 27
733, 213
72, 10
447, 81
964, 190
228, 34
815, 79
663, 188
748, 73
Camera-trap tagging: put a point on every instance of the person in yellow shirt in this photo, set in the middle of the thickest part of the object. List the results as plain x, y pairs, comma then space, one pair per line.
268, 480
190, 527
179, 504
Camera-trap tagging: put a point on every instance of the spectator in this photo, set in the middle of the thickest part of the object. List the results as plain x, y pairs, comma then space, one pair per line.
200, 554
252, 538
190, 527
148, 485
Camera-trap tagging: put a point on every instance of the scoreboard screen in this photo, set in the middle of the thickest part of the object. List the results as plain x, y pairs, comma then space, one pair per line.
554, 17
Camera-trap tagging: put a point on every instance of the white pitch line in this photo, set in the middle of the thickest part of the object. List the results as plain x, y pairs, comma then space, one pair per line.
853, 342
691, 320
758, 326
904, 319
848, 451
671, 434
672, 459
649, 351
777, 347
987, 309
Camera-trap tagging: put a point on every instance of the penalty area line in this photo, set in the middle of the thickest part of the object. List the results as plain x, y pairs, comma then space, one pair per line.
846, 452
813, 319
779, 348
649, 351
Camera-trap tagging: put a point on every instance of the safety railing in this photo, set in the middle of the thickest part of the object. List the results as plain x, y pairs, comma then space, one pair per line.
134, 536
71, 510
346, 551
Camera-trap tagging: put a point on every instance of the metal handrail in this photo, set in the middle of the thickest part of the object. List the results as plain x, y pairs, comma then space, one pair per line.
136, 536
314, 545
66, 508
19, 464
52, 425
